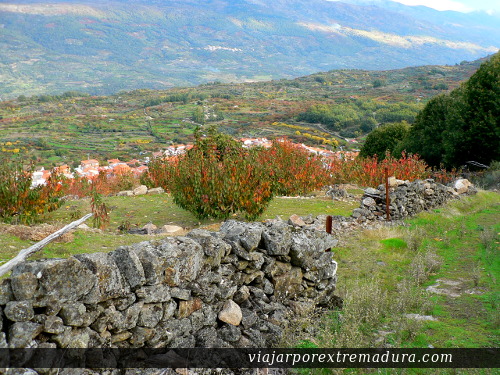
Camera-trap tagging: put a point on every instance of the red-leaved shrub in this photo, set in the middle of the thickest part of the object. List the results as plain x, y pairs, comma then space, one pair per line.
371, 172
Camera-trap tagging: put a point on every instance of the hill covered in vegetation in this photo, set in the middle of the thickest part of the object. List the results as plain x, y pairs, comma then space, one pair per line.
453, 129
320, 109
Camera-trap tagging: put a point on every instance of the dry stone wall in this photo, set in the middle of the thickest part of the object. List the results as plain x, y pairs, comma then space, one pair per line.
234, 288
408, 198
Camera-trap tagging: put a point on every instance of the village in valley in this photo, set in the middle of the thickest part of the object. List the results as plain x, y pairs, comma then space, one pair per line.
91, 168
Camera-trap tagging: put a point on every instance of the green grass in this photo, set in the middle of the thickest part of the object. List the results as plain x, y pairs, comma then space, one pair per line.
384, 273
160, 210
285, 207
392, 244
100, 242
11, 246
136, 211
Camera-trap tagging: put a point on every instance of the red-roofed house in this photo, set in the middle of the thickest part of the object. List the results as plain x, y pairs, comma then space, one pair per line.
91, 163
133, 163
62, 169
140, 170
158, 154
113, 162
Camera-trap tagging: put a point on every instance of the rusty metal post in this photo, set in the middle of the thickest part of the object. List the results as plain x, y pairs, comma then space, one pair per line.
387, 209
329, 224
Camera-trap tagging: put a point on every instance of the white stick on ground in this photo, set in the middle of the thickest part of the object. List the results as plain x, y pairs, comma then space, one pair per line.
25, 253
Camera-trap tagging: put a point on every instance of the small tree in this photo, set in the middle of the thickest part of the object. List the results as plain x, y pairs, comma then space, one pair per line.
199, 115
19, 202
218, 177
384, 139
378, 83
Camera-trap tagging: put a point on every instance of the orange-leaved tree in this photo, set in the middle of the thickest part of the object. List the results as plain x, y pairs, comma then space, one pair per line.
216, 178
20, 202
292, 169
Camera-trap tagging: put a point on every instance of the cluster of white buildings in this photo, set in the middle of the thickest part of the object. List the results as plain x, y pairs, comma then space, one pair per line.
255, 142
172, 151
91, 168
264, 142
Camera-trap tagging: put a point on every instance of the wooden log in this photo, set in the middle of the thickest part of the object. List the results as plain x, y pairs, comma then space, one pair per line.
25, 253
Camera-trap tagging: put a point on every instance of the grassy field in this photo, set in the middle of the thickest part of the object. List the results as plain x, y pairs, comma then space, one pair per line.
137, 211
442, 265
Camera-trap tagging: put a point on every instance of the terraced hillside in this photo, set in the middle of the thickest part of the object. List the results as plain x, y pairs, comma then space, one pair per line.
73, 126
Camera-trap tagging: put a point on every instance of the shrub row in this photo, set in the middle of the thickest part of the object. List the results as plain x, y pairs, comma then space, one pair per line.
218, 177
19, 202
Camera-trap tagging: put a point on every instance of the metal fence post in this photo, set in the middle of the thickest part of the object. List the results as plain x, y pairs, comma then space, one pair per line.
329, 222
387, 209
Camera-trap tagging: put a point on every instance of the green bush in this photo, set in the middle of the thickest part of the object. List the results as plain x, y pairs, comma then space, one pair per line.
384, 139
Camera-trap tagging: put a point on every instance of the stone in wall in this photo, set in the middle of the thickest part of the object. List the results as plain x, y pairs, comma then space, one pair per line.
110, 282
58, 280
232, 288
408, 198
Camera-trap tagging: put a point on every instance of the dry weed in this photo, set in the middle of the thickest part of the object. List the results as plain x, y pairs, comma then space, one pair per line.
432, 261
476, 274
405, 329
487, 237
411, 299
380, 233
36, 233
451, 212
365, 305
424, 265
303, 326
417, 269
414, 238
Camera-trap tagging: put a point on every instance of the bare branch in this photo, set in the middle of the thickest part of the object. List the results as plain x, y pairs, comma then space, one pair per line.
25, 253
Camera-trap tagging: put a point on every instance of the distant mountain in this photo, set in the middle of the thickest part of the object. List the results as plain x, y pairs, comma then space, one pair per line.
102, 47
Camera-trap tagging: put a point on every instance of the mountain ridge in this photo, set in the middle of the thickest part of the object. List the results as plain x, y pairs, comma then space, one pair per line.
105, 47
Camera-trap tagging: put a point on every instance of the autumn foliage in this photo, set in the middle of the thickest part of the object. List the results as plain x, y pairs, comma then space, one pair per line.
160, 173
371, 172
216, 178
293, 170
19, 202
102, 184
219, 177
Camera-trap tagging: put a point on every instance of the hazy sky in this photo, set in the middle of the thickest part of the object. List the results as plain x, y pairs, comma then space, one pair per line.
458, 5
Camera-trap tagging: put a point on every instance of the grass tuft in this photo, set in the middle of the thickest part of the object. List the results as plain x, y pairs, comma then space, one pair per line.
414, 238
